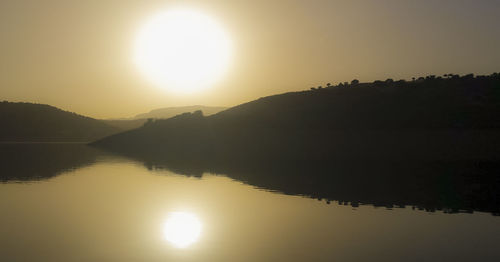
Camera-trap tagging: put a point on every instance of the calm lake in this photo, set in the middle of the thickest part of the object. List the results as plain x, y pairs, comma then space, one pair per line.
70, 202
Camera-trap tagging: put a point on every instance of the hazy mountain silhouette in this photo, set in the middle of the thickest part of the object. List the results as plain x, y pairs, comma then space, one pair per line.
431, 143
37, 123
162, 113
169, 112
125, 124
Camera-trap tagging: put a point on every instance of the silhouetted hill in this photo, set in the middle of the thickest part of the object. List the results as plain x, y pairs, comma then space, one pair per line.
173, 111
433, 118
27, 122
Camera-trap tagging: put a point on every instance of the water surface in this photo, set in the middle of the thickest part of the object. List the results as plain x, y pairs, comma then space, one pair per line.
80, 204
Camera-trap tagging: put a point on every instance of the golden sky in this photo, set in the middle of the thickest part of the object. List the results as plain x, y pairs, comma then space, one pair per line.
77, 55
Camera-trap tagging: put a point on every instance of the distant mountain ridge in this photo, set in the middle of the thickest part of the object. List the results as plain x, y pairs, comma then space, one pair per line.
169, 112
28, 122
31, 122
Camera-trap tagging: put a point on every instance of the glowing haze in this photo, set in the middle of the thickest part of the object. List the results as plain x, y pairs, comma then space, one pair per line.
81, 55
182, 229
182, 50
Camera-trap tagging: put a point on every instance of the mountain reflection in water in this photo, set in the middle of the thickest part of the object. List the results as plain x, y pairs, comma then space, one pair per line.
67, 202
461, 186
25, 162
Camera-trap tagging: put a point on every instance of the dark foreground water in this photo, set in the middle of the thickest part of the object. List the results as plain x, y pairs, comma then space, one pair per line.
67, 202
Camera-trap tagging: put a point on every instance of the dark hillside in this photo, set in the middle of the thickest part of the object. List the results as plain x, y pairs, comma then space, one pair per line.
456, 102
27, 122
430, 119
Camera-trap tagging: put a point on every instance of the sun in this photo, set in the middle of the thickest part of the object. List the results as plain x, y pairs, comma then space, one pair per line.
182, 229
182, 50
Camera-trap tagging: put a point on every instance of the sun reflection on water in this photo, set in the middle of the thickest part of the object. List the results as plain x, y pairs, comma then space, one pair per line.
182, 229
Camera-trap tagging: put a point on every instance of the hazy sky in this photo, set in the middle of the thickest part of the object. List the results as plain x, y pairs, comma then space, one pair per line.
77, 55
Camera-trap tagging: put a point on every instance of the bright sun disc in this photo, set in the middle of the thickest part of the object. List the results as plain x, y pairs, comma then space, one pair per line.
182, 50
182, 229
